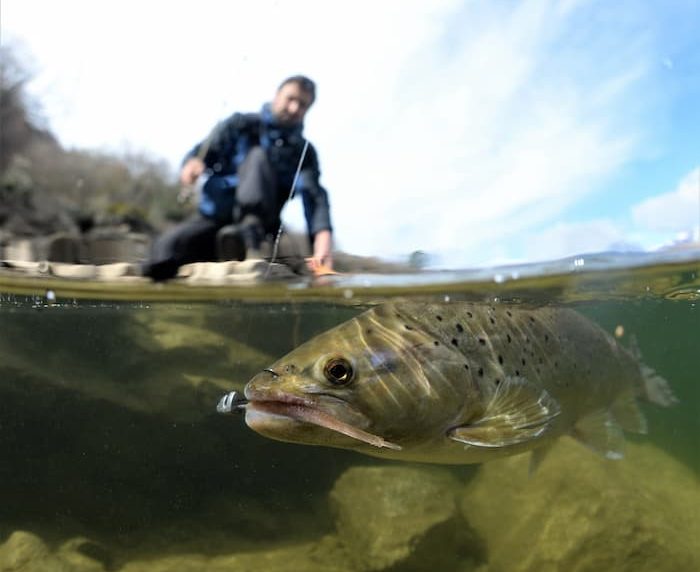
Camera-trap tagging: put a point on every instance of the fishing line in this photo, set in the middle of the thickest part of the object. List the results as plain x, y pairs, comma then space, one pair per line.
276, 245
275, 249
225, 403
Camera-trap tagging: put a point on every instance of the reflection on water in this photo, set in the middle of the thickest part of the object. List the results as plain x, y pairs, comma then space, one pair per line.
113, 457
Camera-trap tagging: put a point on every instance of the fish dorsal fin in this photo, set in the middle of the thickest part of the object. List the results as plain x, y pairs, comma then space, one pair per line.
518, 411
601, 433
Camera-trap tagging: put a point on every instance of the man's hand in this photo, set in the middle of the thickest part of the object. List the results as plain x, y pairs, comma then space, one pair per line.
322, 260
191, 171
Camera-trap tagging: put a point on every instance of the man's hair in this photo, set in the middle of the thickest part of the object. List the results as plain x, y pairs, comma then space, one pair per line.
303, 82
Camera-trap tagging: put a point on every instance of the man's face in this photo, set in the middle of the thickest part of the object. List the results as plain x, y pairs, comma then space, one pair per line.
291, 103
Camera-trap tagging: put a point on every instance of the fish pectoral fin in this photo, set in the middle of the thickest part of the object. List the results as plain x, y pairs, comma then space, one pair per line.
519, 411
537, 456
626, 412
600, 432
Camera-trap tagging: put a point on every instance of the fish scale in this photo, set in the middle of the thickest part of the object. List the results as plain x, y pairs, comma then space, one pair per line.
455, 383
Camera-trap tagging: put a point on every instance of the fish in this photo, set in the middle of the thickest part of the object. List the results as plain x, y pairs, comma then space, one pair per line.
454, 383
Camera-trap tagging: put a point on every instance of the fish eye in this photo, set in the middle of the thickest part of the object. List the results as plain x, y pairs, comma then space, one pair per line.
338, 371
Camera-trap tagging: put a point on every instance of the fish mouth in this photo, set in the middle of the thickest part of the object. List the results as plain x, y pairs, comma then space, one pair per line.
305, 410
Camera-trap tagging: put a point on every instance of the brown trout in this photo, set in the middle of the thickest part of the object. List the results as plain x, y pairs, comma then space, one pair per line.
455, 383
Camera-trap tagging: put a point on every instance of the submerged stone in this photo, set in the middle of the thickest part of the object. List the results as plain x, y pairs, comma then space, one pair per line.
26, 552
21, 551
399, 518
303, 557
582, 513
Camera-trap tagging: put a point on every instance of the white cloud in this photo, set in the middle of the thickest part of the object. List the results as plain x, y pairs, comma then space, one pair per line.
497, 135
675, 211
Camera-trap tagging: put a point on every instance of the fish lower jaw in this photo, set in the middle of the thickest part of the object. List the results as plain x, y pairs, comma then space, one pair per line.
283, 420
266, 414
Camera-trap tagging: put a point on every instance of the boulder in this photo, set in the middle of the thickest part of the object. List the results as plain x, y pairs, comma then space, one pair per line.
21, 551
304, 557
26, 552
399, 518
583, 513
155, 366
251, 271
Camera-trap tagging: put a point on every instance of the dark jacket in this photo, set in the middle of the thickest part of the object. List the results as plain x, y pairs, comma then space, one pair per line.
228, 145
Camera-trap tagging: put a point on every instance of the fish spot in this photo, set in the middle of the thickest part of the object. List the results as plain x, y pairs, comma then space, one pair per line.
470, 314
436, 343
438, 318
408, 327
453, 341
466, 366
460, 328
481, 372
500, 360
492, 321
532, 319
482, 341
517, 373
498, 381
508, 312
509, 338
523, 361
369, 331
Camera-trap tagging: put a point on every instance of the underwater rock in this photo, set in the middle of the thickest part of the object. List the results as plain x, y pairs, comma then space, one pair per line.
399, 518
26, 552
85, 554
583, 513
198, 356
178, 563
22, 550
304, 557
169, 360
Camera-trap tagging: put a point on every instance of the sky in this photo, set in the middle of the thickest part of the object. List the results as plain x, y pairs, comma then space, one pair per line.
481, 132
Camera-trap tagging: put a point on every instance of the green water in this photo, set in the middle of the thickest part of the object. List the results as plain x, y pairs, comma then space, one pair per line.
109, 440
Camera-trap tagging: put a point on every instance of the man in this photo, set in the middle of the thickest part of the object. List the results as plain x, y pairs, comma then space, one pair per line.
248, 165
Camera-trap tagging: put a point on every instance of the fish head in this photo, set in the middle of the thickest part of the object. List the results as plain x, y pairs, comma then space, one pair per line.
370, 384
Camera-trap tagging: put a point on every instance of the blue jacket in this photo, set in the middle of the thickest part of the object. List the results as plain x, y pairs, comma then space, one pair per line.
228, 145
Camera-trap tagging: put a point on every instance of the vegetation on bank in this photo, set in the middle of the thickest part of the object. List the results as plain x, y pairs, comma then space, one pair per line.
47, 188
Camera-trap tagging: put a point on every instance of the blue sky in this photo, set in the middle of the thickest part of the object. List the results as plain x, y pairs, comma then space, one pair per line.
482, 132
